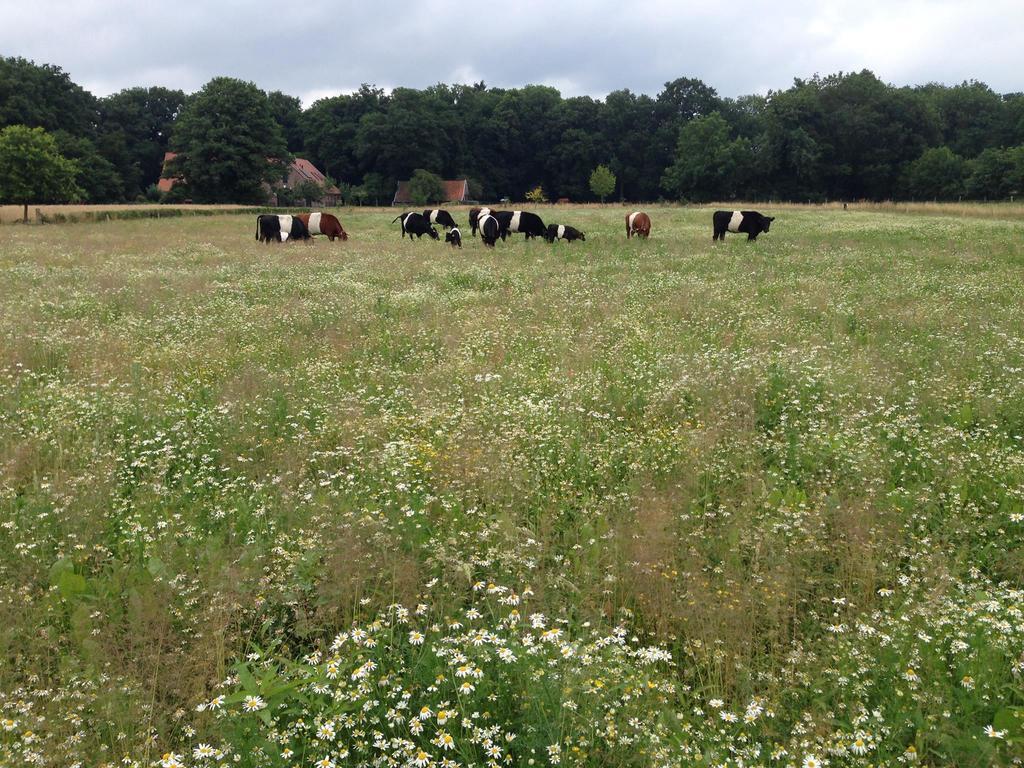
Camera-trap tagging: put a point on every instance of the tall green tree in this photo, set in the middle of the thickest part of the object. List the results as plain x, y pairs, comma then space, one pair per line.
228, 143
602, 182
992, 175
426, 187
96, 176
938, 174
134, 133
287, 111
44, 95
708, 165
32, 170
329, 129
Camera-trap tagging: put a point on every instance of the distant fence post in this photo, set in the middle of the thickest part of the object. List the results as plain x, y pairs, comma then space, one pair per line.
40, 219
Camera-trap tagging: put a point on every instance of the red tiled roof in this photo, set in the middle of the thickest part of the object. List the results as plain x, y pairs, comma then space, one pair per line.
164, 185
300, 170
455, 191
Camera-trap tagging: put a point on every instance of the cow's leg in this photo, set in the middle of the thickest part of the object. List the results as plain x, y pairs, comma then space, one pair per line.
751, 236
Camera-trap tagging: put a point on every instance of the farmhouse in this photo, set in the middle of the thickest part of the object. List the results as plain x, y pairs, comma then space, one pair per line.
455, 191
299, 171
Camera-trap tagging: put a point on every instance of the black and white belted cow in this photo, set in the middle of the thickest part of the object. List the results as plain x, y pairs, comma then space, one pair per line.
415, 224
279, 227
474, 218
454, 237
439, 216
562, 232
489, 228
750, 222
529, 224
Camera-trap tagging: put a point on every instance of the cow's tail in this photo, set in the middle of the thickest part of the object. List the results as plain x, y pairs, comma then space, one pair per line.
396, 218
257, 227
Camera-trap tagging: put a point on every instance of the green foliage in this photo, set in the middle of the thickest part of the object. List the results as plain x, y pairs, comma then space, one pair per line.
134, 133
379, 189
43, 96
229, 145
307, 192
95, 175
708, 166
996, 174
32, 170
938, 174
602, 182
426, 187
287, 112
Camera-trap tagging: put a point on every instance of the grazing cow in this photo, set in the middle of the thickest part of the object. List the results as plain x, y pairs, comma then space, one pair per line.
323, 224
279, 227
415, 224
490, 229
454, 237
563, 232
751, 222
529, 224
474, 217
638, 223
439, 216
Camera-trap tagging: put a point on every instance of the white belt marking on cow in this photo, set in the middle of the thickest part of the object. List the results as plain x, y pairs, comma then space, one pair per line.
285, 221
513, 225
483, 212
735, 221
433, 216
561, 231
314, 224
482, 219
405, 219
632, 217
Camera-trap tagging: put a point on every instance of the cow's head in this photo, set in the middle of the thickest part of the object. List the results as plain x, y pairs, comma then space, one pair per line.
433, 233
768, 222
582, 236
551, 233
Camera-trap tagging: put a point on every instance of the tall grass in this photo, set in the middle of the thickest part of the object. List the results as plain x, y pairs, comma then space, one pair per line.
657, 503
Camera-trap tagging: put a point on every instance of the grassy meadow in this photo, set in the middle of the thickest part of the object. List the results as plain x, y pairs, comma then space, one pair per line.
613, 503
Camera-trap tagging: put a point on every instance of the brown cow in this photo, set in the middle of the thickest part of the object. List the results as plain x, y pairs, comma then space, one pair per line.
639, 224
324, 224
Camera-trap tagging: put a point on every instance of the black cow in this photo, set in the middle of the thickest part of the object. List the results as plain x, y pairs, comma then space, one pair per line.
280, 227
490, 229
529, 224
415, 224
751, 222
474, 217
562, 232
454, 237
439, 216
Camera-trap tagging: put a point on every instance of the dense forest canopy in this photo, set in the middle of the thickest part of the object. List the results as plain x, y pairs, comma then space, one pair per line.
842, 137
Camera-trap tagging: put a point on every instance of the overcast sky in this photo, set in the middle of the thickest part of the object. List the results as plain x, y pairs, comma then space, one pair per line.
318, 48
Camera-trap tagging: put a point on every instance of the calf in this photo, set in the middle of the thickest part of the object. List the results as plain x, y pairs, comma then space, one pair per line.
490, 229
638, 223
323, 224
454, 237
529, 224
563, 232
751, 222
474, 218
439, 216
415, 224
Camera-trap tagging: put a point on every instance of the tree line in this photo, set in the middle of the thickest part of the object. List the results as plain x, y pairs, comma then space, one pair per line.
846, 136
